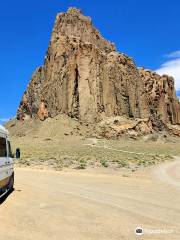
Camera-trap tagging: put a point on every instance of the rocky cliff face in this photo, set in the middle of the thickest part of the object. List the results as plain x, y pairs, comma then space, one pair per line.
84, 77
162, 99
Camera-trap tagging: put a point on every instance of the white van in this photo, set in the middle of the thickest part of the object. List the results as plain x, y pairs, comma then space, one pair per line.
6, 163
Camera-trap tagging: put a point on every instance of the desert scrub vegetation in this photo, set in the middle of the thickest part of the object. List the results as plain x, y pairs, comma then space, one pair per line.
73, 153
82, 164
104, 163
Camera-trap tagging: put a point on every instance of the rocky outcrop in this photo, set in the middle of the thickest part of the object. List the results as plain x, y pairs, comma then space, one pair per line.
161, 95
84, 77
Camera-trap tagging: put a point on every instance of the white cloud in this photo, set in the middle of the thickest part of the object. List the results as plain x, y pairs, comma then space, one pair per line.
171, 67
175, 54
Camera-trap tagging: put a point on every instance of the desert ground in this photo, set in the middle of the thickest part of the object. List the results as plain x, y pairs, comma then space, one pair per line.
61, 142
93, 204
71, 183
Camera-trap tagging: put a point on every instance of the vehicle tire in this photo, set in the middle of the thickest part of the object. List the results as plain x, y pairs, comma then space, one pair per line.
11, 183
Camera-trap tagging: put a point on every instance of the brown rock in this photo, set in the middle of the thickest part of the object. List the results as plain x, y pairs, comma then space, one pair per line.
161, 96
84, 77
42, 112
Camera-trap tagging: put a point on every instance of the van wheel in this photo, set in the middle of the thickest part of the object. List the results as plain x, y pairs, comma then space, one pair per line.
11, 183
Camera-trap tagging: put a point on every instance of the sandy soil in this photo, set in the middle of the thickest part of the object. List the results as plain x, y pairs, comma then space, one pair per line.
91, 204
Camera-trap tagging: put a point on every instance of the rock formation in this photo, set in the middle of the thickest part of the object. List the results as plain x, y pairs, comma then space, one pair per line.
161, 94
85, 77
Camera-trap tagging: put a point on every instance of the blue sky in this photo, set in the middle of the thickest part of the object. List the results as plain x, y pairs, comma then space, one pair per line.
148, 31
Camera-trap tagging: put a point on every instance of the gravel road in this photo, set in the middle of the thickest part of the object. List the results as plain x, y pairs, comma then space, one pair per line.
84, 205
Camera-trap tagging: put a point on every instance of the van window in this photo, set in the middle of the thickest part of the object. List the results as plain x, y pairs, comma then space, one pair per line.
3, 150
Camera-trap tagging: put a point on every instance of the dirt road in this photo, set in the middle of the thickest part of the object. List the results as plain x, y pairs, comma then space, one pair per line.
84, 205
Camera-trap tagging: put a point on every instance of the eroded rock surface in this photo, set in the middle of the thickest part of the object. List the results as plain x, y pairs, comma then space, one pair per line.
85, 77
162, 99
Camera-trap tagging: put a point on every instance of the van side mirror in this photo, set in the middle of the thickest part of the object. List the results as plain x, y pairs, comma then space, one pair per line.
18, 153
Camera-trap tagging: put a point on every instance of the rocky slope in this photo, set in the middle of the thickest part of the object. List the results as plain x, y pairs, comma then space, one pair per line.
84, 77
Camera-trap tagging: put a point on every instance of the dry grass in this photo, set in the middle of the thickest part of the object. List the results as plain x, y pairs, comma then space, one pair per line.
61, 143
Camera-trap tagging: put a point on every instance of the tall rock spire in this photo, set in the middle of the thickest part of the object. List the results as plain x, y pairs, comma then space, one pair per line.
85, 77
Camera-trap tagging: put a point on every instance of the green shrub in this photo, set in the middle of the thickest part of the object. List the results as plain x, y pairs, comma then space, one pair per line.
104, 163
